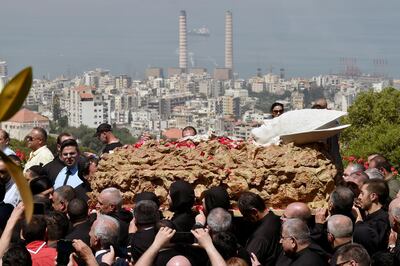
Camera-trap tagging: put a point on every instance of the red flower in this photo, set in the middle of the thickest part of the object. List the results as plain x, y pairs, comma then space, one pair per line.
352, 158
138, 144
20, 155
199, 208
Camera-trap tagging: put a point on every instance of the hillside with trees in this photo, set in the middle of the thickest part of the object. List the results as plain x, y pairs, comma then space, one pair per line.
375, 126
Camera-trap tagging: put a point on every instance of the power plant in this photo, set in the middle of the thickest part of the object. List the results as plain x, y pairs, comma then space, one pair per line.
228, 40
219, 73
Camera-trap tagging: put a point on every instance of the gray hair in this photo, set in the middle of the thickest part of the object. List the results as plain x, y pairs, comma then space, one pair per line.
374, 173
106, 230
115, 196
395, 212
297, 229
340, 226
356, 167
219, 220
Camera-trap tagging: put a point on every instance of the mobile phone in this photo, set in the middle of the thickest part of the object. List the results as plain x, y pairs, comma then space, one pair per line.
183, 238
64, 249
38, 208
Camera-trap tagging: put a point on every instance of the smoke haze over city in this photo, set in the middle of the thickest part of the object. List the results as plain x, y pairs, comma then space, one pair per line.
306, 37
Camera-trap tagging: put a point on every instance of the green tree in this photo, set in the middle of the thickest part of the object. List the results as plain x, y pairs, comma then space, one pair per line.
375, 126
56, 108
63, 122
87, 142
124, 135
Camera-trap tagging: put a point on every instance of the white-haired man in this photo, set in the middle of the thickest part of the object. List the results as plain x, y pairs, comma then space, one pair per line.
103, 234
109, 202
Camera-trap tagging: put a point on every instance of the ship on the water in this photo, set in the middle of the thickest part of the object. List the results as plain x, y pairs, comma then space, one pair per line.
203, 31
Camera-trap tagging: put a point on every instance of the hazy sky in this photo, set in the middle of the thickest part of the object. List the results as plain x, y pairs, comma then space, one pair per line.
307, 37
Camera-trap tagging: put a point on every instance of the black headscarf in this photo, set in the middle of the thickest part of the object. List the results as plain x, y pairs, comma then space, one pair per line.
182, 196
146, 195
216, 197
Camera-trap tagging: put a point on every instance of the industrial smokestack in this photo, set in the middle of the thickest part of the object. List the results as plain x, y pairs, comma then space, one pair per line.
228, 40
182, 41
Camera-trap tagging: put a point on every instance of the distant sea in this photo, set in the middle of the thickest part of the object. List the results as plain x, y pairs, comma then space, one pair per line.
305, 37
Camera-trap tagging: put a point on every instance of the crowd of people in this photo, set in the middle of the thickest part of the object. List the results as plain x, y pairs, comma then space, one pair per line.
359, 226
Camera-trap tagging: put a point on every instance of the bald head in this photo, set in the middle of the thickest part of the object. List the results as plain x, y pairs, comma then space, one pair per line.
178, 261
351, 169
112, 196
37, 138
297, 210
340, 226
109, 201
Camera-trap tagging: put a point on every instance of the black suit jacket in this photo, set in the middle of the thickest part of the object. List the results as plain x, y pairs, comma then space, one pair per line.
80, 231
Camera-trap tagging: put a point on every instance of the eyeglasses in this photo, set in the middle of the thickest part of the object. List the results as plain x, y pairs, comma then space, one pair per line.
30, 138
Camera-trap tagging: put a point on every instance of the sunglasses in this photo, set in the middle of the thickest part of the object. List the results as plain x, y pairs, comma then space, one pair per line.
29, 138
277, 111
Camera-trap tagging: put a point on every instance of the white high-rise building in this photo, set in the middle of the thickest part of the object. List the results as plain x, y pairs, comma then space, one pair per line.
87, 108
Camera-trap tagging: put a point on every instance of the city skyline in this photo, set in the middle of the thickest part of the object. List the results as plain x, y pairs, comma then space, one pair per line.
304, 38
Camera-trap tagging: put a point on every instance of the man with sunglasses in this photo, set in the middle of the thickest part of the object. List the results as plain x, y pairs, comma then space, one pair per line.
40, 154
277, 109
